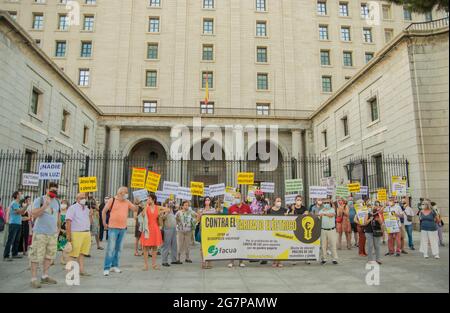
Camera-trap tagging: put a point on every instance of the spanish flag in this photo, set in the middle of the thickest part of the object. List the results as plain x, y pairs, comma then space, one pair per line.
207, 89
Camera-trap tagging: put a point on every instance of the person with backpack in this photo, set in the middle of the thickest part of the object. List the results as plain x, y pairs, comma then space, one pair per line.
428, 230
374, 232
102, 229
118, 208
409, 213
15, 227
46, 213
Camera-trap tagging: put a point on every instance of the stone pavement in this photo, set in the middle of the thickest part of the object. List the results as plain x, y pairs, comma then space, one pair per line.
408, 273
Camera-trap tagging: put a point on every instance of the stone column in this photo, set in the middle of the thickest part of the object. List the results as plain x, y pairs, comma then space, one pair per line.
114, 178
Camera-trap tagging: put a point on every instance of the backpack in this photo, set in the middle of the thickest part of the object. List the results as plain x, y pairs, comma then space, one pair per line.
108, 213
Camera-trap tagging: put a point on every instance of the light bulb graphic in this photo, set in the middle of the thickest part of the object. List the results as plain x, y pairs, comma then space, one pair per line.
308, 225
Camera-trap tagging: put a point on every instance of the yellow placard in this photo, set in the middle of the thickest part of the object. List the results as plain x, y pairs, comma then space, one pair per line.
87, 184
354, 187
197, 189
382, 195
246, 178
152, 182
138, 178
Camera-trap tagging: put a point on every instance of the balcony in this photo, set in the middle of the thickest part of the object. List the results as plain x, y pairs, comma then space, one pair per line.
428, 26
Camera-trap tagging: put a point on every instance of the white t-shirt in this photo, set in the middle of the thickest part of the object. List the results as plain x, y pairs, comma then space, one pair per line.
408, 212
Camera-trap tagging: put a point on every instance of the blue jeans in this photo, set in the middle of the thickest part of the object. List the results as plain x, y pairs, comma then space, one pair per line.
13, 240
115, 243
409, 232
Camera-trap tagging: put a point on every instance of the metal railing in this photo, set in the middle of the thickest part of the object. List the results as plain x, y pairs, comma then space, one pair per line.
429, 25
196, 111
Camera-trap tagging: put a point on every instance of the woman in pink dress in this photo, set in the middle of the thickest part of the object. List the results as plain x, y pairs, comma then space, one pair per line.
151, 237
343, 224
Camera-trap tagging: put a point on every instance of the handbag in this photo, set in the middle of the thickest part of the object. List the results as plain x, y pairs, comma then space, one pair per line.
409, 218
339, 219
376, 229
197, 235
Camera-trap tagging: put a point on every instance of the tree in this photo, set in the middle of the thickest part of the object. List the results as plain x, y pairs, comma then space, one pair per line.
422, 6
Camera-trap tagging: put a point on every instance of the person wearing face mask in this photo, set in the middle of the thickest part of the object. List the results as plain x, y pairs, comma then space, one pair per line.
373, 231
353, 225
278, 210
169, 223
186, 219
137, 233
328, 233
258, 205
25, 229
394, 238
78, 225
238, 208
118, 208
62, 239
317, 207
298, 208
429, 220
343, 224
15, 227
208, 210
46, 214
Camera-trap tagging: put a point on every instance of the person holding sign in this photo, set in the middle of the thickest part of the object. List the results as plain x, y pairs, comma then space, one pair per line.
207, 209
238, 208
186, 219
428, 230
78, 224
393, 212
373, 230
359, 219
277, 209
116, 227
169, 223
328, 233
343, 224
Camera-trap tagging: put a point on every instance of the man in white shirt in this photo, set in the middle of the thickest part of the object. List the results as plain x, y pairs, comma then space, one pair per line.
394, 237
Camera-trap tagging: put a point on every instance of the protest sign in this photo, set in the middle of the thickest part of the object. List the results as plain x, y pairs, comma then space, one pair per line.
217, 190
293, 185
289, 199
138, 178
141, 194
245, 178
50, 171
267, 187
342, 192
318, 192
87, 184
170, 187
29, 179
184, 193
382, 195
364, 191
162, 196
354, 187
152, 182
197, 189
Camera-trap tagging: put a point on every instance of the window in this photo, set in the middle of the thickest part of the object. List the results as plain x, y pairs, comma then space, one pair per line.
325, 139
38, 21
60, 50
364, 11
91, 2
208, 53
378, 160
83, 79
322, 7
86, 49
325, 57
323, 32
63, 22
262, 109
386, 8
155, 3
29, 157
153, 25
261, 54
35, 101
150, 106
345, 33
208, 76
388, 34
373, 105
261, 5
345, 126
151, 78
208, 26
326, 84
152, 51
367, 35
208, 4
65, 121
262, 81
343, 8
428, 17
407, 15
368, 56
348, 58
85, 135
207, 108
261, 29
88, 24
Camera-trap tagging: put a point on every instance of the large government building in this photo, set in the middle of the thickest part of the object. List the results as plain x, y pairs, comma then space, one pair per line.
352, 81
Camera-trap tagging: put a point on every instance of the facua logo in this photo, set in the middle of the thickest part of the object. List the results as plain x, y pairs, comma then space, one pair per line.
213, 250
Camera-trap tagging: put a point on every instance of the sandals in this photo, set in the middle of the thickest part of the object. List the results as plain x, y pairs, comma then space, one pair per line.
156, 267
100, 248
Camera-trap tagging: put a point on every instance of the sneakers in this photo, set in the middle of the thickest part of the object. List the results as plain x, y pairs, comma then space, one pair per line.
106, 273
35, 284
166, 264
412, 248
230, 265
425, 256
48, 280
323, 262
335, 262
16, 256
116, 270
241, 265
177, 262
436, 257
188, 261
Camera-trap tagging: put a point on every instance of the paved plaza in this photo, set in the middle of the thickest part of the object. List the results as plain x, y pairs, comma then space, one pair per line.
408, 273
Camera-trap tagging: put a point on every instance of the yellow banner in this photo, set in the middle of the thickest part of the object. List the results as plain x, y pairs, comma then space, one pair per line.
197, 189
152, 182
245, 178
382, 195
354, 187
87, 184
138, 178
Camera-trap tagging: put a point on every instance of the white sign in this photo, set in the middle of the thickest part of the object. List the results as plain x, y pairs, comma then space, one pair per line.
140, 194
364, 191
289, 199
206, 191
184, 193
399, 188
318, 192
30, 179
330, 183
267, 187
50, 171
217, 190
162, 196
171, 187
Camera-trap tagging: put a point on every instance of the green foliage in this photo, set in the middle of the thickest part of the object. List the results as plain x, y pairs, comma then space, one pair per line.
422, 6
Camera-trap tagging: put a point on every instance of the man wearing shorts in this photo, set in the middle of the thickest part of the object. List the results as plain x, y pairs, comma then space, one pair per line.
78, 224
46, 212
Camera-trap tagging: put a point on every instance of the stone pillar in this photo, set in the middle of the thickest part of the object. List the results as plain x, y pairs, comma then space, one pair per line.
114, 178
